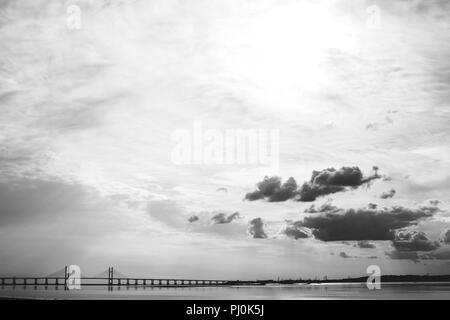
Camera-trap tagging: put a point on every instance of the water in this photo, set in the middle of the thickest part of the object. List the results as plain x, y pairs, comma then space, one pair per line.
302, 291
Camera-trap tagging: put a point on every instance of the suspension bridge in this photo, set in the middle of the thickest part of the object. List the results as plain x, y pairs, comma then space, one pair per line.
109, 278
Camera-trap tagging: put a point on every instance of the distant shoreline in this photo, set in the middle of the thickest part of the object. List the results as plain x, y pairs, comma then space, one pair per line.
383, 279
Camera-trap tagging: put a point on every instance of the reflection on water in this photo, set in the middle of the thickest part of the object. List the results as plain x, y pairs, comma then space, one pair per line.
302, 291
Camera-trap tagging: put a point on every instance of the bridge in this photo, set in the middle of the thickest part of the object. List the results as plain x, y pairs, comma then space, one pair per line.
109, 278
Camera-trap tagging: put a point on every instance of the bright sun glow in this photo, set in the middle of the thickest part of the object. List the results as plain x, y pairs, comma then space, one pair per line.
284, 48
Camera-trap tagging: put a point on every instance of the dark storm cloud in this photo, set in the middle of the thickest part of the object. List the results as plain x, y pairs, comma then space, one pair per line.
324, 182
345, 176
193, 219
256, 229
411, 245
273, 190
222, 218
405, 240
309, 192
365, 244
388, 194
363, 224
295, 230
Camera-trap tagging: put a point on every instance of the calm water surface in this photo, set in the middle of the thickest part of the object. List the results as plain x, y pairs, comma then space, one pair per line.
303, 291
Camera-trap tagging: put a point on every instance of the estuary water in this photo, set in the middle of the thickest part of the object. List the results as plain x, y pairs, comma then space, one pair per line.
300, 291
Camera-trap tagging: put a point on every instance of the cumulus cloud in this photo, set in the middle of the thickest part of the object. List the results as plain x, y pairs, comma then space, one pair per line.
344, 255
326, 207
406, 240
273, 190
411, 245
256, 229
388, 194
193, 218
363, 224
434, 202
324, 182
365, 244
222, 218
345, 176
296, 231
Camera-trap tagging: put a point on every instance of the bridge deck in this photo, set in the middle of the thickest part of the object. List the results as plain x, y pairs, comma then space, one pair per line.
96, 281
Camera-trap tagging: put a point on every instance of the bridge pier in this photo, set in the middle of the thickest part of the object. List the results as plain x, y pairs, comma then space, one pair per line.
110, 278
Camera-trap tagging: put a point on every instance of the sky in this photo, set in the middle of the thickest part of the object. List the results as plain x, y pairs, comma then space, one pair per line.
116, 137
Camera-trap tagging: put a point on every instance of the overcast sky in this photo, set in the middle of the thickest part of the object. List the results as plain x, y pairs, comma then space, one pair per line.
88, 118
